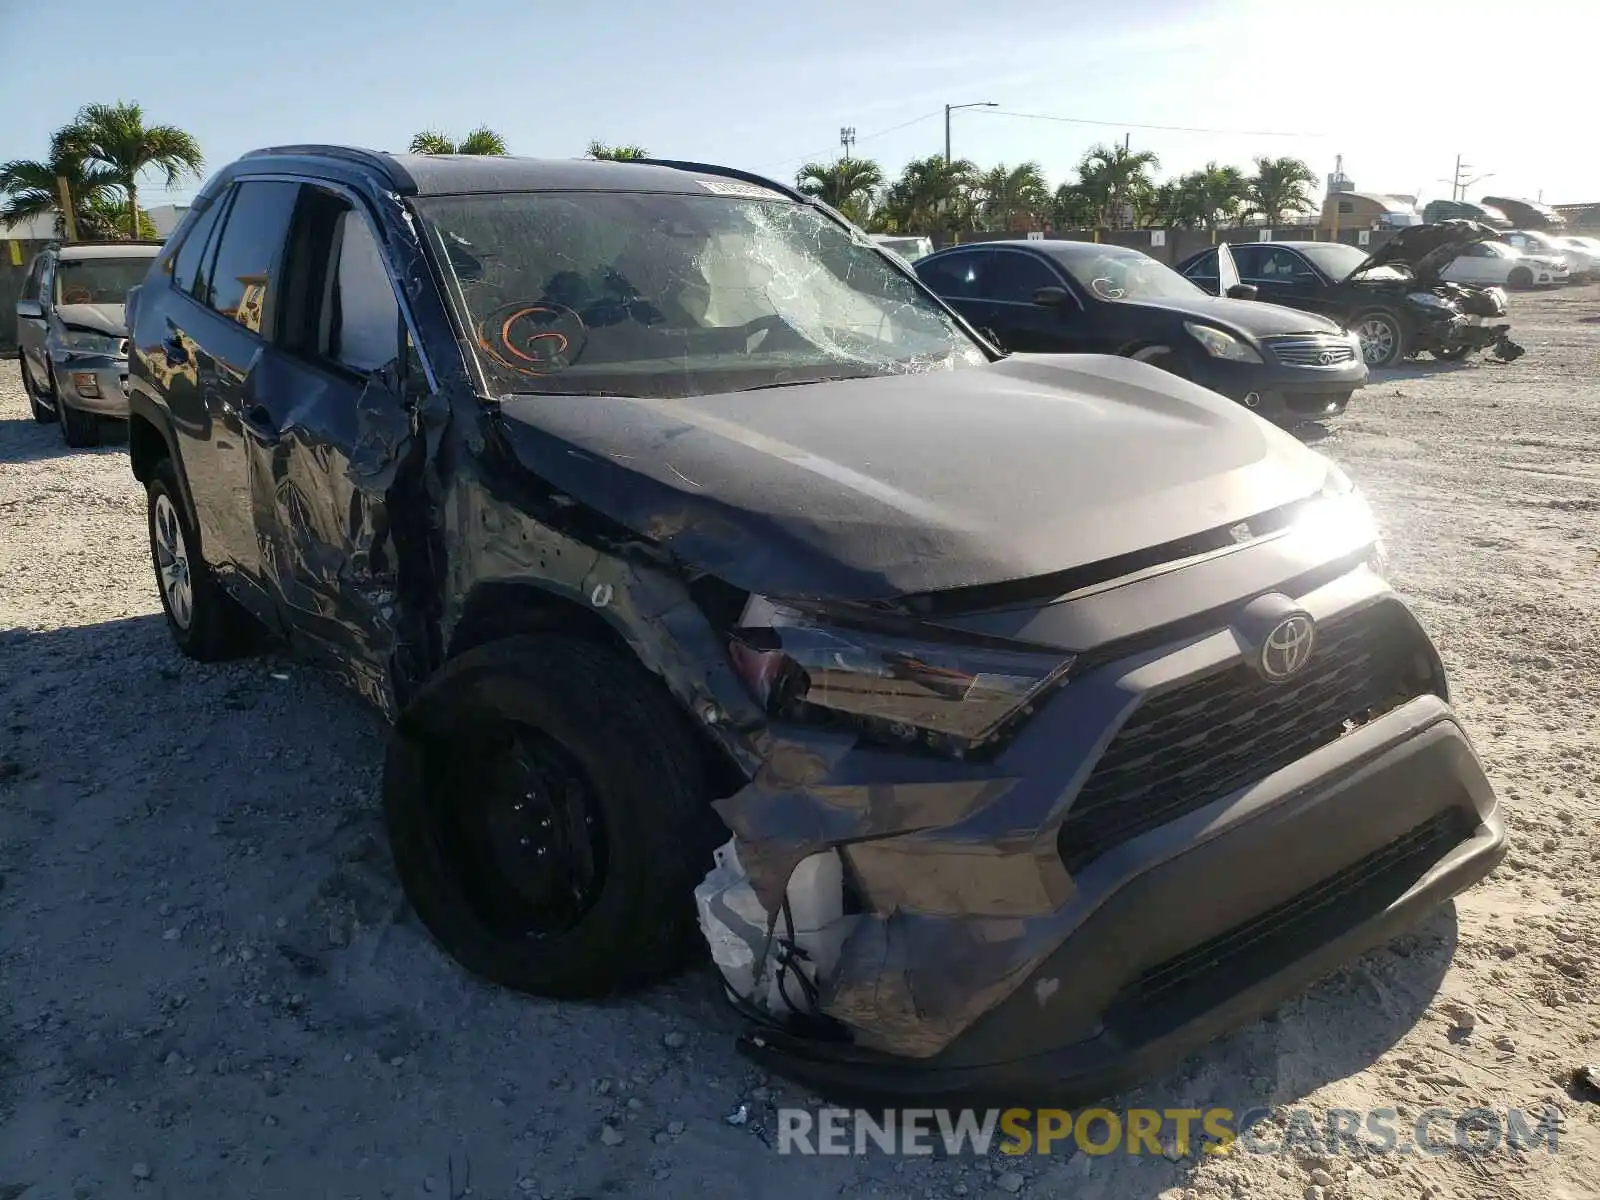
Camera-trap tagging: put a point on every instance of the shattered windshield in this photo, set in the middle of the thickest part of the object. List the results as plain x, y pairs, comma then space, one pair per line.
669, 295
98, 280
1116, 273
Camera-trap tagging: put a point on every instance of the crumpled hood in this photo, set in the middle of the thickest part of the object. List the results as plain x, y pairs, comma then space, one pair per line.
1428, 249
100, 318
867, 489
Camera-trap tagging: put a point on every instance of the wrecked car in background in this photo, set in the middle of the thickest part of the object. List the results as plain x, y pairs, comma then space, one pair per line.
71, 337
1393, 299
1011, 724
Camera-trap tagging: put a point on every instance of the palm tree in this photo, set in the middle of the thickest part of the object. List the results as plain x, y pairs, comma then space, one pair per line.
481, 140
931, 194
31, 191
1072, 207
1218, 193
1012, 194
1115, 176
599, 150
848, 185
1279, 187
116, 138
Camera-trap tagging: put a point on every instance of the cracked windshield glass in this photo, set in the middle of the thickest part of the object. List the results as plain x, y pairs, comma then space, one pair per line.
671, 295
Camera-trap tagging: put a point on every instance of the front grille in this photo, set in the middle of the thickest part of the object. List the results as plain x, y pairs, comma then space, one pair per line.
1312, 350
1223, 966
1184, 749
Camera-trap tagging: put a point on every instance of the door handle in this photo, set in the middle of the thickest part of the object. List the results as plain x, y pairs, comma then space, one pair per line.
177, 354
258, 423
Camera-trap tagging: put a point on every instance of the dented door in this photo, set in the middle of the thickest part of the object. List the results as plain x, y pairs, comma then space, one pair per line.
328, 430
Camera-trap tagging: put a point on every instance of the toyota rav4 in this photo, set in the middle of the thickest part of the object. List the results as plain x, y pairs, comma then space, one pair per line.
1002, 724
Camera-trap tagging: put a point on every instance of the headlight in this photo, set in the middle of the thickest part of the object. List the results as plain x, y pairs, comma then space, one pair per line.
1428, 300
1222, 345
949, 696
81, 341
1342, 520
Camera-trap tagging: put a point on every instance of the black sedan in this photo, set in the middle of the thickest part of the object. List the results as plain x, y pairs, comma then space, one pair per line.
1056, 296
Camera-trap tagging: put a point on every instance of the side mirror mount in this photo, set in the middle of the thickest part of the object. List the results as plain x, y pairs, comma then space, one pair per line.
1051, 297
30, 310
1242, 291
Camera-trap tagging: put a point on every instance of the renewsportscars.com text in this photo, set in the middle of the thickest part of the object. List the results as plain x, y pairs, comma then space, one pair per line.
928, 1131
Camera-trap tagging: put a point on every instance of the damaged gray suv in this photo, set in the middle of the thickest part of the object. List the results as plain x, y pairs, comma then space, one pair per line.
1005, 726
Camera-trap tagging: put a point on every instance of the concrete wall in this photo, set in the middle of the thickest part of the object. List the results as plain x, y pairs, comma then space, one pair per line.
15, 256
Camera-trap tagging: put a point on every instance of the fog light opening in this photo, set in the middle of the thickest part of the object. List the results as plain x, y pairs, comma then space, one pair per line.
86, 382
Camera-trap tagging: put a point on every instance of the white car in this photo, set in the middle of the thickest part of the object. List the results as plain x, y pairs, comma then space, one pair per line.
907, 247
1495, 264
1582, 252
1548, 245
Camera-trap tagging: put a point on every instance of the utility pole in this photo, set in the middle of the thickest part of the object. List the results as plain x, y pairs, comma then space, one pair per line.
1455, 181
68, 218
950, 108
847, 138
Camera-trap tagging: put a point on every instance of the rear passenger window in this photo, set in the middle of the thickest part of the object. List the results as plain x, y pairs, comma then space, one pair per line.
361, 317
1014, 277
185, 266
248, 259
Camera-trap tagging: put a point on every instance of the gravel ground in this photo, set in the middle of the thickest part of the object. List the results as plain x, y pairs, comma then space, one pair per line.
209, 985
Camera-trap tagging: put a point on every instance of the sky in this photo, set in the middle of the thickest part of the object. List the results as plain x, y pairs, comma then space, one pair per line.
768, 86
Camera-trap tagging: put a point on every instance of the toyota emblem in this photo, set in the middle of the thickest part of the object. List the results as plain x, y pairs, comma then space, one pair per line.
1287, 649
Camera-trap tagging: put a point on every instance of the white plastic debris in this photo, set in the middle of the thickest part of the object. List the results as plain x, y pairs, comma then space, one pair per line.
735, 928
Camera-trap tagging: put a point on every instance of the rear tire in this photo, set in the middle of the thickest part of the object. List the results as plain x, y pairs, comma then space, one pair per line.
43, 406
549, 817
207, 624
1520, 277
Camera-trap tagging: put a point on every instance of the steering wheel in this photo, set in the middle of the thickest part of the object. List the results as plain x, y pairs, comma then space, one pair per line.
533, 337
77, 295
1107, 288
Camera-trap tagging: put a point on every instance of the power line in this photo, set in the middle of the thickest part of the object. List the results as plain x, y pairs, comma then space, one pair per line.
814, 155
1000, 112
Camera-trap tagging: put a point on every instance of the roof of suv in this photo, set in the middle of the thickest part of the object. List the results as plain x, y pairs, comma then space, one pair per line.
79, 250
450, 174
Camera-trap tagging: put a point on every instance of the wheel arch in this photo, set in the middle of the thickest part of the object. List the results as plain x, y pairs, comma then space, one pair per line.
151, 439
501, 608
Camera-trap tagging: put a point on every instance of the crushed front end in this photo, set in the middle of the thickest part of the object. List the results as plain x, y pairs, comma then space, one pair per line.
1032, 842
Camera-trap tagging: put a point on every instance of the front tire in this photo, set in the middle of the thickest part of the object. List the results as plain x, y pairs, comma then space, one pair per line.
206, 623
1519, 278
43, 406
78, 429
1383, 341
549, 817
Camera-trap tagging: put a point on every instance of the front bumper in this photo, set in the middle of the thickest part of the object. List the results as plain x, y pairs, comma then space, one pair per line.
1348, 848
987, 972
94, 384
1282, 393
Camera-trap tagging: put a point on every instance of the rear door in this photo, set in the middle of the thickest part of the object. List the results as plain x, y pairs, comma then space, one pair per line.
327, 423
214, 340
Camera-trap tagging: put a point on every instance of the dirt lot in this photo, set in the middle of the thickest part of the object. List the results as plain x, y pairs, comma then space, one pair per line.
210, 987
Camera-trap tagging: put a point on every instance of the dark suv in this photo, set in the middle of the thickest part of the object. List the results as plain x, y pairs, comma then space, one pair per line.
1057, 706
